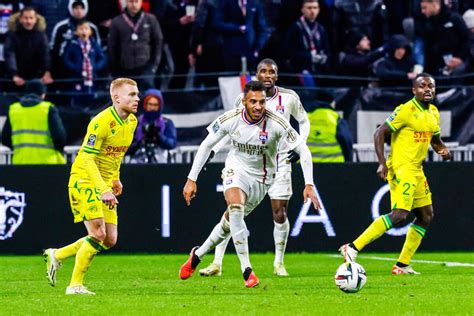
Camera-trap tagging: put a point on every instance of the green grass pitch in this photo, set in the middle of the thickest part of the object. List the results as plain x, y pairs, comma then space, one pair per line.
149, 285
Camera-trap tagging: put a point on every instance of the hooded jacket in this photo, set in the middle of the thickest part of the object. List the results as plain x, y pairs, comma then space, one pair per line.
392, 71
166, 137
26, 52
63, 31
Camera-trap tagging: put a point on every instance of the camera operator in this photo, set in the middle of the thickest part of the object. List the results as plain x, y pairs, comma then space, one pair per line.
155, 134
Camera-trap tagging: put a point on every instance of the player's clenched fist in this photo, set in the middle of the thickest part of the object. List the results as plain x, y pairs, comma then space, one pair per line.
189, 191
109, 199
117, 187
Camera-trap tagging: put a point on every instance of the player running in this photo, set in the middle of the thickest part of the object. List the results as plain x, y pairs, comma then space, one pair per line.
256, 134
95, 183
413, 125
285, 103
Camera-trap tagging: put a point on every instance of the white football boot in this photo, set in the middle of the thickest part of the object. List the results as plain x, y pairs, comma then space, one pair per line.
280, 270
78, 290
52, 265
212, 270
349, 253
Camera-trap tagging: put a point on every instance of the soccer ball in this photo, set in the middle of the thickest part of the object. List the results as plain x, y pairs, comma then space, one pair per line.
350, 277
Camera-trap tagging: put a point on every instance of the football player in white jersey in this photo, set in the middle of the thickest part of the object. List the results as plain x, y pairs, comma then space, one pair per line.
256, 136
286, 103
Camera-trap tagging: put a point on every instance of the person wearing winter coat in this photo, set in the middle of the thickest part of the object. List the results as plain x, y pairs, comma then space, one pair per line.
83, 58
155, 134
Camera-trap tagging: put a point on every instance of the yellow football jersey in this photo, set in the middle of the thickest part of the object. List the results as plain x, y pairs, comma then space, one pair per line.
412, 127
98, 162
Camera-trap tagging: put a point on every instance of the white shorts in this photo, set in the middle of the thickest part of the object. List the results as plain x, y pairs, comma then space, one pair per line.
281, 188
255, 191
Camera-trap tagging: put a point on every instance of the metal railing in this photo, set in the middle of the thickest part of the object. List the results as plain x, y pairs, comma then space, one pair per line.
185, 154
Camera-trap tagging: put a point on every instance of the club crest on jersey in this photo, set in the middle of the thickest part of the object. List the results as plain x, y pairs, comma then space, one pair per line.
280, 109
11, 212
263, 136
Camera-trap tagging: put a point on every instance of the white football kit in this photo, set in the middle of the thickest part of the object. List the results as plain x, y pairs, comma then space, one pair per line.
251, 164
285, 103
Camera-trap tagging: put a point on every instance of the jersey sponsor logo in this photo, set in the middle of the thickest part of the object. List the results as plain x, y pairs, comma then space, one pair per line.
115, 151
422, 136
91, 140
12, 205
249, 149
216, 127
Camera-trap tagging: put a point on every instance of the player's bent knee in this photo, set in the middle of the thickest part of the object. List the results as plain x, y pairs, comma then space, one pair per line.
109, 242
397, 217
279, 215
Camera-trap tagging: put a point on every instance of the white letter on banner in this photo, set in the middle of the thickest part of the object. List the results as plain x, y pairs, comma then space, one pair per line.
322, 217
165, 211
376, 211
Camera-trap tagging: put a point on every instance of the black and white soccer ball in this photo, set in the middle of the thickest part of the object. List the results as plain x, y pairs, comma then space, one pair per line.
350, 277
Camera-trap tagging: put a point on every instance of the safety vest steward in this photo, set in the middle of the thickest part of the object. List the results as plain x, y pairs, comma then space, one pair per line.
31, 138
322, 141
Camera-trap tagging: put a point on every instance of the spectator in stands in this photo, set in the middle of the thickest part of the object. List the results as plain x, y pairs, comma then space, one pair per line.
307, 42
101, 13
7, 8
358, 57
34, 129
443, 36
366, 16
244, 31
468, 17
53, 12
155, 134
206, 44
177, 22
83, 58
64, 31
329, 139
26, 48
135, 44
396, 68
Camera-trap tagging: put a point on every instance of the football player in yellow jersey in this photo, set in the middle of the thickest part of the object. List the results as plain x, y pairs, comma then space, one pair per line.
413, 127
95, 183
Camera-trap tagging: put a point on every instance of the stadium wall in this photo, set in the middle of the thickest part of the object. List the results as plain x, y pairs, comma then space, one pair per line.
34, 209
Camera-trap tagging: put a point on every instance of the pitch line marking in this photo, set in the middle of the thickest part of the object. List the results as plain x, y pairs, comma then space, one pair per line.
445, 263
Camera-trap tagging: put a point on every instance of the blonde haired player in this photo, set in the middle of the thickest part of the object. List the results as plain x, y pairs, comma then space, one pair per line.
413, 126
95, 183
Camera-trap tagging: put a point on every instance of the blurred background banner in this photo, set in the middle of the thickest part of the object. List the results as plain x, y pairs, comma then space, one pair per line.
154, 218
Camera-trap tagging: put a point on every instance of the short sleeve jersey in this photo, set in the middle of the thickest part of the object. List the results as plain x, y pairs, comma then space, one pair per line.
108, 138
254, 146
412, 128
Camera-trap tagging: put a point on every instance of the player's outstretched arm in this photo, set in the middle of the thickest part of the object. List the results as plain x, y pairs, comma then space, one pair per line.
307, 167
440, 147
379, 137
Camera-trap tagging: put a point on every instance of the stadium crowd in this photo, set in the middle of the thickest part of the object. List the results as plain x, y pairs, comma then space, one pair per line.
68, 44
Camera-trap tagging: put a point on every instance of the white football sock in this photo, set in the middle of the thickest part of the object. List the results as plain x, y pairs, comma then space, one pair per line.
220, 232
280, 235
240, 234
220, 251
